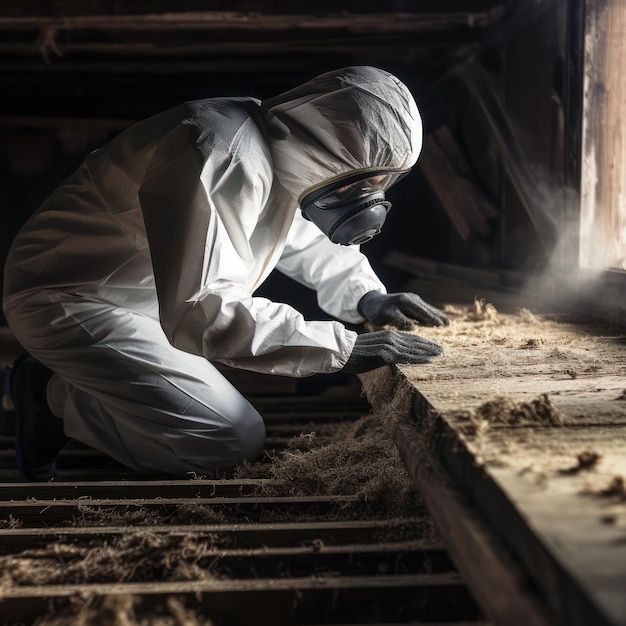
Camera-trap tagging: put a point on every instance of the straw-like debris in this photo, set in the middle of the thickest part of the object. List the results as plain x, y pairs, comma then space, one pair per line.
135, 557
483, 311
504, 411
584, 461
360, 461
122, 610
10, 522
615, 489
89, 515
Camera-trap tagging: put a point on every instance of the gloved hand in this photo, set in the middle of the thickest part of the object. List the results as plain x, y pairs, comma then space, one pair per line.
402, 310
386, 347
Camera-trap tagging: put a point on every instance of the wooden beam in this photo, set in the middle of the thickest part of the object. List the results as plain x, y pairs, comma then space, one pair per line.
241, 535
44, 512
561, 517
129, 489
355, 16
278, 600
497, 582
382, 559
603, 184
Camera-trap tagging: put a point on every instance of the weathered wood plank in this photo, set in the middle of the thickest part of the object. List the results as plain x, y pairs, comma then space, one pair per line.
575, 557
530, 480
584, 401
383, 559
494, 578
357, 20
47, 512
244, 535
280, 601
200, 488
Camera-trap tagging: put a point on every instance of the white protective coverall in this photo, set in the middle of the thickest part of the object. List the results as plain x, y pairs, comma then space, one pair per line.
140, 270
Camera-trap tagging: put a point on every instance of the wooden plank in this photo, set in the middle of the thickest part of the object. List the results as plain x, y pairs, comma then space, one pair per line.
567, 551
570, 536
579, 366
383, 559
219, 501
248, 535
69, 8
357, 550
197, 488
281, 601
354, 21
47, 512
494, 578
528, 479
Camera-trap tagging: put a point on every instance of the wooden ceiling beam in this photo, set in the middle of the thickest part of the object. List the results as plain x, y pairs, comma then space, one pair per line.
219, 20
70, 8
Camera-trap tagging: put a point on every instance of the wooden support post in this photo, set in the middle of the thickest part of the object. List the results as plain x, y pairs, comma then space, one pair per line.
603, 184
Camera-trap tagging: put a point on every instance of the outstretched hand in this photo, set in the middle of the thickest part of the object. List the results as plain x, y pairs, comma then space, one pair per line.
401, 310
388, 347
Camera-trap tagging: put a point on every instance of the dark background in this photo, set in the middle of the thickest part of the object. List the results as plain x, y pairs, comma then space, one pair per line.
76, 73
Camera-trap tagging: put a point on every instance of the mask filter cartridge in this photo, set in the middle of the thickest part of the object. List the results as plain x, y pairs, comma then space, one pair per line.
350, 212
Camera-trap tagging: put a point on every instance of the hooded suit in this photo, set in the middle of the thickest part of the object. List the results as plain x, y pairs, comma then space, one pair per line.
139, 271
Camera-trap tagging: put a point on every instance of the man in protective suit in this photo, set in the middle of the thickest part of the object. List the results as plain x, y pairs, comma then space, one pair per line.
139, 272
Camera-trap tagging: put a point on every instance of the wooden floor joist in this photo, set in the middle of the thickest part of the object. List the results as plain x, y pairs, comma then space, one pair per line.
309, 567
278, 601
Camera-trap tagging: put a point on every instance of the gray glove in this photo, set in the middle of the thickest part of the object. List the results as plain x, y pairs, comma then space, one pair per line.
386, 347
402, 310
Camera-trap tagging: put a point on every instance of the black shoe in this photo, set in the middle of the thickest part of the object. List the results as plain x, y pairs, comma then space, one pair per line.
39, 433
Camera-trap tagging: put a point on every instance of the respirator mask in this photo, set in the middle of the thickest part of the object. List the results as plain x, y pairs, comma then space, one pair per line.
352, 210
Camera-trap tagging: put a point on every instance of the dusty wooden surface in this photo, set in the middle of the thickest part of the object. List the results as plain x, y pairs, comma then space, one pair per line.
553, 488
495, 579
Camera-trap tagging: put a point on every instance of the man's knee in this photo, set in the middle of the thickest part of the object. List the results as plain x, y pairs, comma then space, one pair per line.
249, 432
217, 450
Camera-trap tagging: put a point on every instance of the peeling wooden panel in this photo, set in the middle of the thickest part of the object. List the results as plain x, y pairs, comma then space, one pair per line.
603, 206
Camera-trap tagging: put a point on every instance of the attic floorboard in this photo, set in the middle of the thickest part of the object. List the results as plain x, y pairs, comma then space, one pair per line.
552, 488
